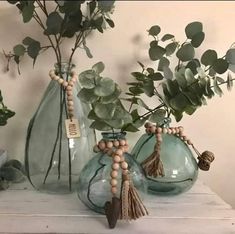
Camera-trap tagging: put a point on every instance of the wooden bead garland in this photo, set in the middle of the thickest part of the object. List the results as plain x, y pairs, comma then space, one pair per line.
129, 206
68, 86
72, 125
153, 165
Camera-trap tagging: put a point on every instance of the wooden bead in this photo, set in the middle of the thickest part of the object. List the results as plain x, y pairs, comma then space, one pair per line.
65, 84
113, 182
124, 165
164, 130
116, 158
69, 93
152, 129
71, 115
125, 172
116, 143
173, 131
181, 129
52, 73
114, 190
60, 81
69, 98
56, 78
70, 108
109, 144
70, 103
119, 152
177, 130
185, 138
169, 131
102, 145
189, 142
70, 83
159, 139
115, 166
74, 79
122, 142
114, 174
69, 88
122, 158
159, 130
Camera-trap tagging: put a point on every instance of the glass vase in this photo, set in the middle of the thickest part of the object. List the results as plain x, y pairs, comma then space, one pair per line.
94, 182
52, 161
180, 166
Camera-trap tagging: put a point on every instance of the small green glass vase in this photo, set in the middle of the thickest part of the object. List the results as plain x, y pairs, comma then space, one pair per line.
180, 166
94, 182
52, 161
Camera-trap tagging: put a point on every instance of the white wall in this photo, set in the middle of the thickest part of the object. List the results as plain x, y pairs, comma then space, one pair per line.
211, 127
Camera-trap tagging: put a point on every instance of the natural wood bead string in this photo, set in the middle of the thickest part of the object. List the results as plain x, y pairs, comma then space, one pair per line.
115, 149
68, 86
205, 158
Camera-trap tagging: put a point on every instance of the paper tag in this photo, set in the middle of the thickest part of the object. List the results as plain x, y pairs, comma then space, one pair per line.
72, 128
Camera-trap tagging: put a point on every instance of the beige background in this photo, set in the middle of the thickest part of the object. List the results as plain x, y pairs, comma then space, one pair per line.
211, 127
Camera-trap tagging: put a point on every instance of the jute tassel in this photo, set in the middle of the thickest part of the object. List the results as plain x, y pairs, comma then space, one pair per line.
132, 207
153, 165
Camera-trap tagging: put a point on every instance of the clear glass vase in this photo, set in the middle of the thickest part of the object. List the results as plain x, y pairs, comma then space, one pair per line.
52, 161
180, 166
94, 182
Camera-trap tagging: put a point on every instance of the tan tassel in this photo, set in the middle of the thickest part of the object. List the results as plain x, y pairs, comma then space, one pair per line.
153, 165
132, 207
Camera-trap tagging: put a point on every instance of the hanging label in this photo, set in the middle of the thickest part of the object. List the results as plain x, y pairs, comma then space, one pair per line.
72, 128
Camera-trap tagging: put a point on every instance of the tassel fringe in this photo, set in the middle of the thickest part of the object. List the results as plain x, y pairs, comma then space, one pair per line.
153, 165
132, 207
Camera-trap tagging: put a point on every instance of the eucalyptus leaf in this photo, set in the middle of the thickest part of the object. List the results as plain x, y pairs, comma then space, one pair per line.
130, 128
105, 111
98, 67
27, 12
193, 28
190, 109
220, 66
148, 88
19, 50
28, 40
141, 103
189, 76
168, 74
154, 30
110, 22
87, 95
100, 125
170, 48
113, 97
181, 80
167, 37
179, 102
33, 49
139, 76
105, 87
230, 56
87, 79
217, 89
186, 52
156, 52
115, 123
198, 39
156, 76
150, 70
229, 82
53, 22
158, 116
88, 52
172, 87
209, 57
193, 65
163, 62
106, 6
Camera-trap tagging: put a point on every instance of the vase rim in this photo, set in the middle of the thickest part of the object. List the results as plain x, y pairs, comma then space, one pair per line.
113, 135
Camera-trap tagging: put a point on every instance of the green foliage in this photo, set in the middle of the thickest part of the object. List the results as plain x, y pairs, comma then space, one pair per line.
103, 94
5, 113
193, 80
11, 171
66, 19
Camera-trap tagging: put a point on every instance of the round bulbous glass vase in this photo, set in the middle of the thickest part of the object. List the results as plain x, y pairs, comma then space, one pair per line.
53, 162
94, 188
180, 166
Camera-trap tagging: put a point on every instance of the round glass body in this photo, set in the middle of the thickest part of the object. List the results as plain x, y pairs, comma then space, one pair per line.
94, 181
179, 164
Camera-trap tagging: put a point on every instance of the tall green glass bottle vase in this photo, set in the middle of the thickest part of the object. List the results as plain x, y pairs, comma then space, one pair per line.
53, 161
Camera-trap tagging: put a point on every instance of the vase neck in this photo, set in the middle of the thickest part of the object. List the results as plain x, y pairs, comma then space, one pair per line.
63, 68
113, 135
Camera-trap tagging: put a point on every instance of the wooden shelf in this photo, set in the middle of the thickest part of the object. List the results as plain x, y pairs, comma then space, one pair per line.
199, 211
